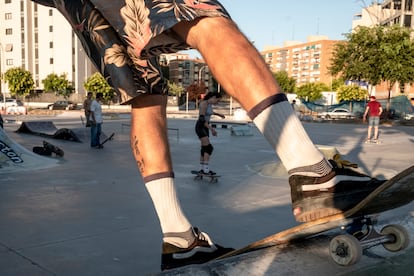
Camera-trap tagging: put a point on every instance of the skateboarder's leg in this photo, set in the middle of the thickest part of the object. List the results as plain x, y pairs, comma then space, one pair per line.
254, 86
152, 154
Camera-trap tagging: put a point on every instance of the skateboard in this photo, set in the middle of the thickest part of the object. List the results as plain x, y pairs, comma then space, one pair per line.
373, 142
199, 176
358, 224
111, 137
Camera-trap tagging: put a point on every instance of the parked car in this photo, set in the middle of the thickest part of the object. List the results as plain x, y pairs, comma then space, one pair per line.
337, 113
62, 105
409, 116
13, 106
13, 102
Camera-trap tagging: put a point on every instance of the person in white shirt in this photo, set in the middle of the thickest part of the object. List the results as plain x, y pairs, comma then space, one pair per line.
96, 121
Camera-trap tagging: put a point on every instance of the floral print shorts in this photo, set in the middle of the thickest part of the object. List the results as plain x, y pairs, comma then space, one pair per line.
125, 38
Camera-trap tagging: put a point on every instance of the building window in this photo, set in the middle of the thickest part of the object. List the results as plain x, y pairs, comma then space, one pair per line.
50, 29
8, 16
9, 61
50, 12
51, 44
9, 31
51, 61
7, 1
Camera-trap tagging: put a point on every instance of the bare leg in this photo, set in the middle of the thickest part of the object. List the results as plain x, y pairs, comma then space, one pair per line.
148, 112
149, 143
234, 79
369, 132
375, 132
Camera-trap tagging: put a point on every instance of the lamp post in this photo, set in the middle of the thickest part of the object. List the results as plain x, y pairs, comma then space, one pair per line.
3, 92
9, 48
200, 71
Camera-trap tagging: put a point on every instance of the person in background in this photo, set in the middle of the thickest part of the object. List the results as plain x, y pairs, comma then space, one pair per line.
96, 120
374, 111
203, 128
87, 108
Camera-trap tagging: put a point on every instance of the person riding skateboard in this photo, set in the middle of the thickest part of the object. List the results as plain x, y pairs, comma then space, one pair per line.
203, 128
124, 39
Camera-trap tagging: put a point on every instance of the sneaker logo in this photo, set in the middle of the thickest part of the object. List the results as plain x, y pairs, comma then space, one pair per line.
193, 251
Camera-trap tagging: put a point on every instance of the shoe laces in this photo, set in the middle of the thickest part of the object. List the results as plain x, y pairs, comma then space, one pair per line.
202, 236
342, 163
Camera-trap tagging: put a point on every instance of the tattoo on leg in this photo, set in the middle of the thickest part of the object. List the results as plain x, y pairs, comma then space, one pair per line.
138, 156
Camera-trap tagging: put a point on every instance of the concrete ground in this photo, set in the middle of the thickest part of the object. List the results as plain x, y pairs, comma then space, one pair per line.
91, 215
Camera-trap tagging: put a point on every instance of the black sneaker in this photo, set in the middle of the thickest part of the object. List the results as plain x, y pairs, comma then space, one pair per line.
317, 197
202, 250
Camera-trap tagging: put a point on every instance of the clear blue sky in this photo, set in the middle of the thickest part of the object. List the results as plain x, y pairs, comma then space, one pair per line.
271, 22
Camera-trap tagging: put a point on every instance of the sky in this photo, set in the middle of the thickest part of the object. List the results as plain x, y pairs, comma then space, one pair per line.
271, 22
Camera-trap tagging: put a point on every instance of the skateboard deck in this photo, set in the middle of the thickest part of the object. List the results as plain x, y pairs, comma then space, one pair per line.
347, 249
199, 176
373, 142
111, 137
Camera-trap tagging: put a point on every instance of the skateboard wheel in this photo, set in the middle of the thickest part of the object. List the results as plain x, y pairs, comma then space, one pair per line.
345, 250
401, 239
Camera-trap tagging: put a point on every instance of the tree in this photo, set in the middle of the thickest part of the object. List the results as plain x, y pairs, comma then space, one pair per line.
20, 81
356, 58
97, 83
398, 56
375, 54
57, 84
286, 83
175, 89
351, 93
311, 91
336, 83
195, 91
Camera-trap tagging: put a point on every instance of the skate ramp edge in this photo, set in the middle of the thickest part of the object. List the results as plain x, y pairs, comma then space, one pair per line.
38, 128
48, 129
16, 158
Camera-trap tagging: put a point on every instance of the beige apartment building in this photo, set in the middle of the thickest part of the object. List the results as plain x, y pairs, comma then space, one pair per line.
305, 61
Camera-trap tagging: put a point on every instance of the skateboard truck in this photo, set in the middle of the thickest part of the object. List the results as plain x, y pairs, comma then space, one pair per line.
346, 249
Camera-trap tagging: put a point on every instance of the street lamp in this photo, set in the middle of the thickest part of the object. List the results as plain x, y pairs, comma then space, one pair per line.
200, 71
9, 48
2, 77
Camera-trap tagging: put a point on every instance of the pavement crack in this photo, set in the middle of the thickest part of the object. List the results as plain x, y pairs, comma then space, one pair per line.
26, 258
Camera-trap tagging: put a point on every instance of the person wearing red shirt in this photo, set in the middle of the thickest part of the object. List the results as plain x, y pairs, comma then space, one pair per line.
374, 110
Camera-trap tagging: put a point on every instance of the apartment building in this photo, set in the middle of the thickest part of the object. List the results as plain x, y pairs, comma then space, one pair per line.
39, 39
305, 61
185, 72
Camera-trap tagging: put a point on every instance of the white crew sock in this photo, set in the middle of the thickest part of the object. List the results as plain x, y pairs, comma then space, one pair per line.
167, 206
285, 133
206, 168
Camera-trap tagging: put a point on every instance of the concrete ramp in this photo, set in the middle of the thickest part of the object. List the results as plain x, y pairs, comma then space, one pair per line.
47, 129
308, 257
15, 158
